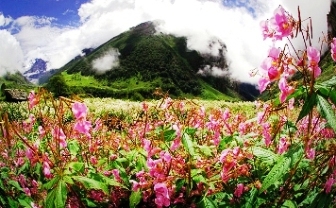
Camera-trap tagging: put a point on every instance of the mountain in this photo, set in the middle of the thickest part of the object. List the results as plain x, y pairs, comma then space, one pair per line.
14, 81
37, 70
141, 61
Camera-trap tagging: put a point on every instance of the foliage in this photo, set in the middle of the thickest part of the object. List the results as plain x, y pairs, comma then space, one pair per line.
154, 61
58, 86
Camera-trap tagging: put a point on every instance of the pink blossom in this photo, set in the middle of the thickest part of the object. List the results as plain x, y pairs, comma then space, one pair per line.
267, 32
333, 49
46, 170
263, 82
310, 153
58, 134
176, 144
98, 125
285, 89
239, 190
313, 60
41, 132
283, 145
282, 23
93, 160
83, 127
267, 134
27, 191
79, 110
165, 156
32, 100
116, 174
162, 195
328, 185
274, 53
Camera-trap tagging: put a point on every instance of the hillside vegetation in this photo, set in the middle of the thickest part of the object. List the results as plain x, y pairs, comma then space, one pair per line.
148, 63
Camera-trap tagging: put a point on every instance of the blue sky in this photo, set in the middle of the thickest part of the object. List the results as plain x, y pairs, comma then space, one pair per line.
58, 30
65, 11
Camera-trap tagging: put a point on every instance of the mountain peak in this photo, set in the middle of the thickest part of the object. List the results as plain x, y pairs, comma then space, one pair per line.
145, 28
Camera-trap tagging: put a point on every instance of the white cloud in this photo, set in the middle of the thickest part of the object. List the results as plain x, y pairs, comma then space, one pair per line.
107, 61
4, 21
11, 55
198, 20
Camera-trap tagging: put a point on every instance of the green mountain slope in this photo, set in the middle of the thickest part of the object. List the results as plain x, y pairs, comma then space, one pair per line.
147, 62
14, 81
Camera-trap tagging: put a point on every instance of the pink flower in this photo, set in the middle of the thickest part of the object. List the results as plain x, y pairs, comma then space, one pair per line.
46, 170
162, 195
83, 127
41, 132
267, 134
310, 153
283, 145
27, 191
282, 23
32, 100
333, 49
267, 32
93, 160
313, 60
116, 174
58, 134
262, 84
285, 89
239, 190
328, 185
165, 156
79, 110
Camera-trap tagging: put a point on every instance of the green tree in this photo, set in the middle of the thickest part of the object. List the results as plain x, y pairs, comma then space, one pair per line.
58, 86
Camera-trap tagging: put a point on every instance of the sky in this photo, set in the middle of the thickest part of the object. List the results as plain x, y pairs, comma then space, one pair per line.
58, 30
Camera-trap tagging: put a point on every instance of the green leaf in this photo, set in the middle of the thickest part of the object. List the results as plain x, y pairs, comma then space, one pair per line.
61, 194
276, 173
13, 203
73, 147
308, 106
265, 155
206, 150
207, 203
15, 184
91, 183
169, 135
67, 179
289, 204
134, 199
50, 184
56, 198
224, 143
188, 144
329, 83
76, 166
250, 201
25, 201
90, 203
190, 131
327, 111
332, 96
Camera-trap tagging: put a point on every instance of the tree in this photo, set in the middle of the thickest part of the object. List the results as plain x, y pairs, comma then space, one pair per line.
58, 86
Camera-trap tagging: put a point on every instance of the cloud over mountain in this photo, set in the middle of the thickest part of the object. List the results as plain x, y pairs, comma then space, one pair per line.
234, 22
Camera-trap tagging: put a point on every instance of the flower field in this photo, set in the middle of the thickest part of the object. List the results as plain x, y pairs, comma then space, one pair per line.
178, 153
